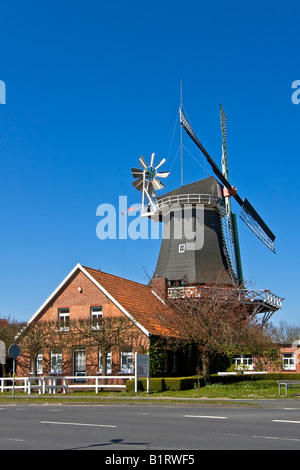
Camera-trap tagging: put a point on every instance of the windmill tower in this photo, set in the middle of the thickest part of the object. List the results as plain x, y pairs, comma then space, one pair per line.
208, 250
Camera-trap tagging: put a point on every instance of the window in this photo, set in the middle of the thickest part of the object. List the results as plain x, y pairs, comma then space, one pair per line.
108, 363
56, 361
96, 318
79, 365
243, 360
39, 364
63, 319
127, 362
176, 283
79, 361
288, 361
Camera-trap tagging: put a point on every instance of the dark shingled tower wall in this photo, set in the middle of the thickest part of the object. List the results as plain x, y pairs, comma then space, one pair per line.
202, 265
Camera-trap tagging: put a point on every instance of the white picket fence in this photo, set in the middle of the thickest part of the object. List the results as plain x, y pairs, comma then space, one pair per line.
53, 384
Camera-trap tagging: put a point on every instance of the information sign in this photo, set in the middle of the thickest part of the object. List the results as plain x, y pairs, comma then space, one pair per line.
2, 353
142, 365
142, 369
14, 351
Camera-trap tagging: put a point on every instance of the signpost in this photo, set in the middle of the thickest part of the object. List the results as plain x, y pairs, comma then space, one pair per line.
2, 353
14, 351
142, 369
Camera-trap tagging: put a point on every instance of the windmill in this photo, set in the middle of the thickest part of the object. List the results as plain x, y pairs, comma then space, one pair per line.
184, 264
147, 181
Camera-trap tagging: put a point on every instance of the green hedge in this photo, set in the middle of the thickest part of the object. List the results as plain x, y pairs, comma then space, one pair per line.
163, 384
228, 379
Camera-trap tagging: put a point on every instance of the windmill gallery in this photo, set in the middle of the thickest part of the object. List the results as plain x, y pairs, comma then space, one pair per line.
199, 244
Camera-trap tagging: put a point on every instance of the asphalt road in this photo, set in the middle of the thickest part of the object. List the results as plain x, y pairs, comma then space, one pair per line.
134, 427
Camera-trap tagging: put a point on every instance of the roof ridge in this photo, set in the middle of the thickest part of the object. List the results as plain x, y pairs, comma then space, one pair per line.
113, 275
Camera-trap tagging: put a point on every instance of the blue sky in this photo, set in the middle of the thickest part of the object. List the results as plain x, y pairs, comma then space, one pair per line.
90, 86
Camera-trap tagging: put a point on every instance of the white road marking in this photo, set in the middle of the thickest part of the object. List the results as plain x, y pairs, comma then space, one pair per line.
285, 421
205, 416
264, 437
79, 424
15, 440
278, 438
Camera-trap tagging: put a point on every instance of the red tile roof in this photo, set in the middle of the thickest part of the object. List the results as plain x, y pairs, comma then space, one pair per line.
137, 299
3, 323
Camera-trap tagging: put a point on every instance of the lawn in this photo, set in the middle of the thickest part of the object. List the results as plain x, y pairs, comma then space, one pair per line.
239, 390
245, 389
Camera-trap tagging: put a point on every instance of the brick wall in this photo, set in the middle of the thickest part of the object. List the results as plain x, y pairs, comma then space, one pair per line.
79, 303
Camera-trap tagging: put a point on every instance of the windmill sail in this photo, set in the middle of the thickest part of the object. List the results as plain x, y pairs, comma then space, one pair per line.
248, 213
257, 225
228, 219
146, 180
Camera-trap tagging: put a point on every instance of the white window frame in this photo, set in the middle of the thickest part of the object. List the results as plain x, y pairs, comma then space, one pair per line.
96, 318
39, 364
181, 248
125, 358
63, 319
243, 360
108, 363
288, 361
79, 357
56, 361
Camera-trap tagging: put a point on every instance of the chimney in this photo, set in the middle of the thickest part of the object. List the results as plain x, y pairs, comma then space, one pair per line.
160, 287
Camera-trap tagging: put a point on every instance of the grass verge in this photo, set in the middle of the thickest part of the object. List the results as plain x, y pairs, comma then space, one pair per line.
261, 389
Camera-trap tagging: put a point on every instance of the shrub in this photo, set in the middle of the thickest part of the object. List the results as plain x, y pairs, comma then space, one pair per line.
156, 385
229, 379
160, 384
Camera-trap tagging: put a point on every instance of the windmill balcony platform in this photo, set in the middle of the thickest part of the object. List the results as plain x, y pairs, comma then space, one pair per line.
164, 204
187, 199
263, 300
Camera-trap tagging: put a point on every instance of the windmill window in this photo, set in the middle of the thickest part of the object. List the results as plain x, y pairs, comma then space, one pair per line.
181, 248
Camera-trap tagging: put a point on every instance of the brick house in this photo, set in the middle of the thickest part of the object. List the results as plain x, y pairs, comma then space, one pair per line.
92, 294
290, 357
289, 360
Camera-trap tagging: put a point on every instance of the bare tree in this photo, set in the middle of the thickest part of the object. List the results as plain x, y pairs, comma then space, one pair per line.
37, 336
216, 318
9, 334
284, 332
111, 332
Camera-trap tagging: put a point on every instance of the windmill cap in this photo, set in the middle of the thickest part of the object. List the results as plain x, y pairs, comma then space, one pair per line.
205, 186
